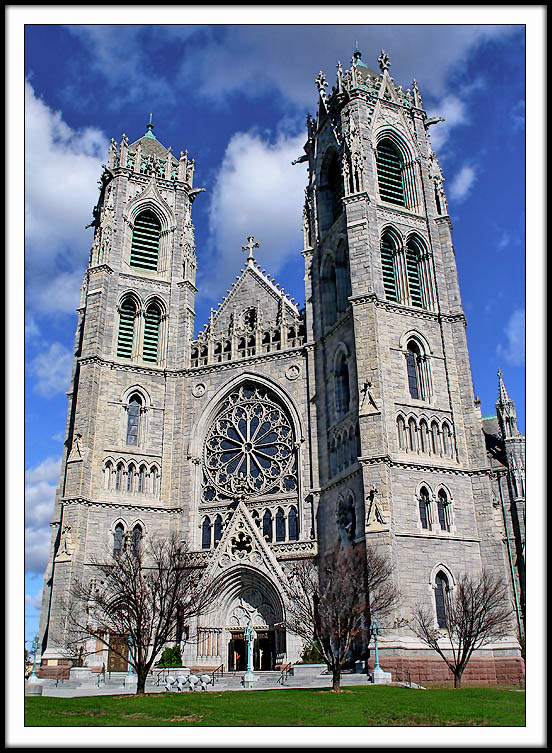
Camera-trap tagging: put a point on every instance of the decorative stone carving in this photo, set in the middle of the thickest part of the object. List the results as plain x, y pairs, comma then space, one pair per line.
293, 372
198, 390
66, 547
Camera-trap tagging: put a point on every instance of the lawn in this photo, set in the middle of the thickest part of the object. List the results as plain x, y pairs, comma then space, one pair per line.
356, 707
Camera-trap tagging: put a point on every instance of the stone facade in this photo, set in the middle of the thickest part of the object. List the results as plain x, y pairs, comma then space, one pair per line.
277, 432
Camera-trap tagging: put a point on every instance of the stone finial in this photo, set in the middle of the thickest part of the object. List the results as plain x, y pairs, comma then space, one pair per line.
149, 133
322, 83
384, 61
249, 246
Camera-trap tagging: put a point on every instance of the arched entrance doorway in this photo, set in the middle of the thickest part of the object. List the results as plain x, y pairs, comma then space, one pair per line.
250, 597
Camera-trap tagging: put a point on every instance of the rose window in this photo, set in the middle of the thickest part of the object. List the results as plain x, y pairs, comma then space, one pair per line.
250, 448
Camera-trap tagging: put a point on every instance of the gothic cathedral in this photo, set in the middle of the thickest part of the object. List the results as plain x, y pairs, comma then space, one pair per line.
277, 431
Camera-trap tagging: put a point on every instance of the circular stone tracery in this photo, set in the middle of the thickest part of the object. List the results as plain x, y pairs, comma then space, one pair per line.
250, 447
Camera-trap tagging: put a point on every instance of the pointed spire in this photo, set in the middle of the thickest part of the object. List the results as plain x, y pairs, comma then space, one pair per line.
506, 410
357, 55
503, 397
149, 133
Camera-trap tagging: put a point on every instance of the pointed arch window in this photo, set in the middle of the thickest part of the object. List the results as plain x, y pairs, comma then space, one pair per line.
119, 477
423, 436
267, 525
280, 525
130, 477
118, 539
142, 479
144, 249
137, 535
389, 165
125, 339
343, 278
152, 321
331, 190
293, 524
342, 388
133, 421
329, 292
413, 275
412, 369
206, 533
388, 250
435, 438
443, 510
441, 589
423, 506
217, 530
412, 442
447, 440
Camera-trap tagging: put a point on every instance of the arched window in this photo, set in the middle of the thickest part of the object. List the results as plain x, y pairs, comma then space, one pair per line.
125, 339
423, 436
217, 530
342, 389
412, 370
447, 440
137, 534
144, 249
119, 477
441, 589
346, 518
435, 438
423, 505
413, 274
206, 533
108, 470
280, 525
443, 510
118, 539
293, 524
401, 431
152, 320
330, 203
130, 477
388, 250
343, 278
133, 423
333, 457
155, 481
390, 173
329, 292
267, 525
142, 479
412, 443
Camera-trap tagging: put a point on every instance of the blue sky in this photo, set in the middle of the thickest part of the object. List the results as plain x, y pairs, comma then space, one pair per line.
236, 97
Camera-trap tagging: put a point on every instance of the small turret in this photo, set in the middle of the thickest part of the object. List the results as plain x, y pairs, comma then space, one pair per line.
506, 411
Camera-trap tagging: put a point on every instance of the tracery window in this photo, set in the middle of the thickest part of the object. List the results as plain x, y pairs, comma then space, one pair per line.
144, 250
250, 447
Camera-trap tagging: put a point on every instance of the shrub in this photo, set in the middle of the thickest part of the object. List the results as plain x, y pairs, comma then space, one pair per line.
171, 657
312, 655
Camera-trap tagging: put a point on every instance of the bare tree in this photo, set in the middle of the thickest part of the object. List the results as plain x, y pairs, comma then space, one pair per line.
477, 612
332, 598
137, 598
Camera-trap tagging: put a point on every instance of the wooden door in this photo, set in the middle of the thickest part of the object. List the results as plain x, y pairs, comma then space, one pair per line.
116, 662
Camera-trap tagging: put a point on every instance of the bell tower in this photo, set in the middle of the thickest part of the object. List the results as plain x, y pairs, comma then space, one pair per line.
402, 463
135, 325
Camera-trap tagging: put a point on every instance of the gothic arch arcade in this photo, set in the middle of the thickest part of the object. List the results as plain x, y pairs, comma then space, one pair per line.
247, 596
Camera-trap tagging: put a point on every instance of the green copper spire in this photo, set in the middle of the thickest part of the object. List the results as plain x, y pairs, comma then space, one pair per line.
149, 132
357, 54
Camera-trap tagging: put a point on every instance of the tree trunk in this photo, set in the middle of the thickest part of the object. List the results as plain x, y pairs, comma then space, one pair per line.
141, 682
458, 677
336, 680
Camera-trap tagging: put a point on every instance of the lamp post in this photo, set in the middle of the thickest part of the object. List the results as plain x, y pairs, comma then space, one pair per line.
375, 631
130, 644
249, 635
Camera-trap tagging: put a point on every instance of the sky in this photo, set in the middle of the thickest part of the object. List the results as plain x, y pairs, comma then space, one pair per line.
236, 97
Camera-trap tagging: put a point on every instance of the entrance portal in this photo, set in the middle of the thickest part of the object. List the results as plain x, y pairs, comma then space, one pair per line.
264, 651
118, 662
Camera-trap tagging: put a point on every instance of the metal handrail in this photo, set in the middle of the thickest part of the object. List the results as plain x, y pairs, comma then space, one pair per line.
220, 670
284, 672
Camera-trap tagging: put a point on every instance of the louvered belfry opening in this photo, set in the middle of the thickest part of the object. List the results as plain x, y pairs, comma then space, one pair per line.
387, 268
144, 250
413, 274
390, 178
126, 329
151, 333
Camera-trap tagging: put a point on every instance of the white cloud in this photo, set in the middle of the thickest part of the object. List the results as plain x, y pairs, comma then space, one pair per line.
463, 182
257, 192
454, 110
514, 351
40, 492
62, 168
52, 370
32, 331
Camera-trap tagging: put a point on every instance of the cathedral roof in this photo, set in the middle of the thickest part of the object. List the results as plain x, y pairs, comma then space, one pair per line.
150, 144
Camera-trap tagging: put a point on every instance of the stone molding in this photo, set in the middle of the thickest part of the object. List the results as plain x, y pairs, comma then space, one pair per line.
120, 505
386, 459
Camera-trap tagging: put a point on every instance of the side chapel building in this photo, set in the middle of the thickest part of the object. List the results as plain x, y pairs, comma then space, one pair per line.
278, 431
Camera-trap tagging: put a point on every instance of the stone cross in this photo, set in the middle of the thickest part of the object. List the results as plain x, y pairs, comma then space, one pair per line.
249, 246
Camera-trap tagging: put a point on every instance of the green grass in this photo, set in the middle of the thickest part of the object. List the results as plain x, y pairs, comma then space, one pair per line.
356, 707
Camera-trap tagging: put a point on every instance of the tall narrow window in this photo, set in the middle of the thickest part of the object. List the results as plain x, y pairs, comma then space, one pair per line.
331, 193
280, 525
130, 478
412, 444
293, 525
401, 430
442, 510
267, 525
151, 333
342, 389
329, 292
447, 443
388, 268
390, 173
343, 278
125, 338
142, 479
206, 534
441, 588
423, 504
134, 407
412, 370
435, 438
119, 477
423, 436
217, 530
118, 539
136, 538
413, 274
144, 249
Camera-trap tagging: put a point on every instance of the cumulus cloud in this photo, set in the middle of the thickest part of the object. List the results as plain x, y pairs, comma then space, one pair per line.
514, 351
454, 110
62, 168
463, 182
40, 492
52, 370
257, 192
